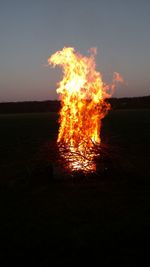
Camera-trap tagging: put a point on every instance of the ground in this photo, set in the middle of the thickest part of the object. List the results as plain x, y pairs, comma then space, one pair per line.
100, 222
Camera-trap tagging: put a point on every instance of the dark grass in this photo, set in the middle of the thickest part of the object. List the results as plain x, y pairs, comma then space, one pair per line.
67, 222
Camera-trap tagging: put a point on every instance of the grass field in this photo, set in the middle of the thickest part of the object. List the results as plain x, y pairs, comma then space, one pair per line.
24, 136
100, 223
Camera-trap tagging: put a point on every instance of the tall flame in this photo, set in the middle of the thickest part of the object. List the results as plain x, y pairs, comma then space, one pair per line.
83, 106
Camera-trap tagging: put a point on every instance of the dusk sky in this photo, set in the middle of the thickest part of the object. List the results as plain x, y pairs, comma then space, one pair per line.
32, 30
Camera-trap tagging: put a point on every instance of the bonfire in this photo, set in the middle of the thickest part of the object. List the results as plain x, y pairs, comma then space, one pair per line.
83, 96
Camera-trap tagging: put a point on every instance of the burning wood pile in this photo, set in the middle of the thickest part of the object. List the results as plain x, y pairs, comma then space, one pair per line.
83, 96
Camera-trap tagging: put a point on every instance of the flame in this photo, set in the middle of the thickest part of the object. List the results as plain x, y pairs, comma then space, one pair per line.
83, 106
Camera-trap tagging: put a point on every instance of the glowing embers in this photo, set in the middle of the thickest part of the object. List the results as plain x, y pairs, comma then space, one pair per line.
80, 159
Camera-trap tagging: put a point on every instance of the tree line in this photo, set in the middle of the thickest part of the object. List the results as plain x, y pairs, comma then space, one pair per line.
54, 105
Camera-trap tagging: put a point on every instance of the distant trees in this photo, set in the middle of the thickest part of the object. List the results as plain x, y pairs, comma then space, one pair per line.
130, 103
54, 105
27, 107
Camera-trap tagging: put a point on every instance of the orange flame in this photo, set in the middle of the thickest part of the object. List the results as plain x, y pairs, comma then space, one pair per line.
83, 95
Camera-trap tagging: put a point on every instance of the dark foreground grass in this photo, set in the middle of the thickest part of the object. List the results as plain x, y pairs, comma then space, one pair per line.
66, 222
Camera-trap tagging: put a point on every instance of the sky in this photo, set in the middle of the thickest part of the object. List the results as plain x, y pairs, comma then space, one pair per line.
32, 30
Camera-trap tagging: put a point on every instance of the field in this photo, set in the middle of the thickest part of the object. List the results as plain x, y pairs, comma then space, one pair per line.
67, 222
